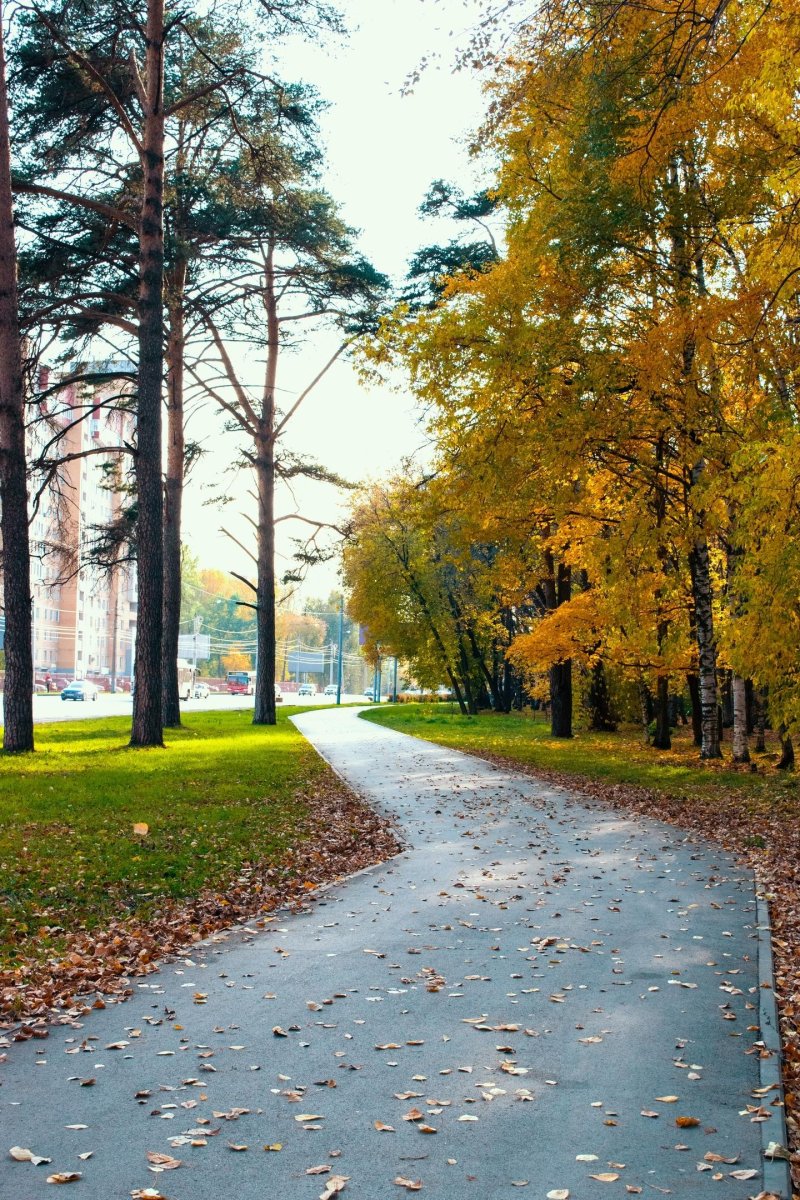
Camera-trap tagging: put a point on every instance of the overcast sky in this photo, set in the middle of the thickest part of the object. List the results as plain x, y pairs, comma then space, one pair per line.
384, 149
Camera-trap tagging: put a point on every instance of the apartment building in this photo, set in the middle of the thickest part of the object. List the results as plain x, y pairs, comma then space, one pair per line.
83, 617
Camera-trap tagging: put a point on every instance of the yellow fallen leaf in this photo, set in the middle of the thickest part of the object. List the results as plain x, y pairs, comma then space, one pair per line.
141, 828
606, 1177
667, 1099
382, 1128
686, 1122
276, 1146
309, 1117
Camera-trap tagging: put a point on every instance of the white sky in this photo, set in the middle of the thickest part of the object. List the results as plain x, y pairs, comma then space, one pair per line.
383, 152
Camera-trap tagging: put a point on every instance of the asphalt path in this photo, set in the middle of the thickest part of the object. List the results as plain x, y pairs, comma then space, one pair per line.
523, 1002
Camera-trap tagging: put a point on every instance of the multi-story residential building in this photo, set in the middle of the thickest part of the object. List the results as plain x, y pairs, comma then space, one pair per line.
84, 616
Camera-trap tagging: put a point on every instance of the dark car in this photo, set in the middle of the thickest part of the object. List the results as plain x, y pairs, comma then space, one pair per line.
79, 689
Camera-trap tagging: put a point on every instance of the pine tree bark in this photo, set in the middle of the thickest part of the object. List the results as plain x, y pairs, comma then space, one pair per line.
18, 693
173, 497
702, 594
741, 751
264, 700
147, 702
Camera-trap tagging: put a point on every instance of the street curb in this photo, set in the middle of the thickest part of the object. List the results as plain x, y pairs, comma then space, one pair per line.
777, 1173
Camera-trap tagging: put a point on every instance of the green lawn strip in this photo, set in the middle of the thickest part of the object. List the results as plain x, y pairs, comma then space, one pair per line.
222, 795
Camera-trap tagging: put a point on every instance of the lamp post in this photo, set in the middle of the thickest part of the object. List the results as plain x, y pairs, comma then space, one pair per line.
339, 658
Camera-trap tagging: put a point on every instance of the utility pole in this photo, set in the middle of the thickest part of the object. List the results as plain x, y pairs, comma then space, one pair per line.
198, 624
339, 659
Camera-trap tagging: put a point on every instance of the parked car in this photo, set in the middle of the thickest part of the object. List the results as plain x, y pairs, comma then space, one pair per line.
201, 691
371, 694
79, 689
307, 689
330, 689
278, 694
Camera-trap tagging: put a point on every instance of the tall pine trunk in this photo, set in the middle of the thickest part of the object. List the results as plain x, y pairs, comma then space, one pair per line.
173, 497
147, 716
264, 700
18, 694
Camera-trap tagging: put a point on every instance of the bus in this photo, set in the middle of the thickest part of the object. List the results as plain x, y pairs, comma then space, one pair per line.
186, 679
241, 683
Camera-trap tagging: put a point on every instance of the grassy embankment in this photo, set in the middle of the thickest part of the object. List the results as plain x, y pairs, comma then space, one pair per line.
223, 797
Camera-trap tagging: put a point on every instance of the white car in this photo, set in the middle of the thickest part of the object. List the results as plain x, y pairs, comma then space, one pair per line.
201, 691
307, 689
278, 694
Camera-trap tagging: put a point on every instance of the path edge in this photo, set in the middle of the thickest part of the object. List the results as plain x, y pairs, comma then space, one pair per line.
776, 1171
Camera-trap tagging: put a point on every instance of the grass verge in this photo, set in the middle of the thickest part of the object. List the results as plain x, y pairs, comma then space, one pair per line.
111, 857
754, 812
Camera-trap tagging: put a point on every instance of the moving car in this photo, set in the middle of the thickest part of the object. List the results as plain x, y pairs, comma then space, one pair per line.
201, 691
307, 689
79, 689
330, 689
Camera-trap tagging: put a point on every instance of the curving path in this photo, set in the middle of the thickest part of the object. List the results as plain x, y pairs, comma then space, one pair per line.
541, 979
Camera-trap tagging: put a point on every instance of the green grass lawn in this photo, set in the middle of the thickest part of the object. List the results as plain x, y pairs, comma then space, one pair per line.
614, 758
224, 793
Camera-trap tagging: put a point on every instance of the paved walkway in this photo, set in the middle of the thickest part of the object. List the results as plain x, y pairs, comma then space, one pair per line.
550, 985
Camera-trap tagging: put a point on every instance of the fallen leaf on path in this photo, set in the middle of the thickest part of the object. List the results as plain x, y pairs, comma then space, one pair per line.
411, 1185
605, 1177
382, 1128
558, 1194
65, 1177
686, 1122
322, 1169
165, 1161
21, 1154
335, 1184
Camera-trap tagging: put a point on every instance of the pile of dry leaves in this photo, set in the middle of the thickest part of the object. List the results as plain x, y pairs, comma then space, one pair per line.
343, 835
767, 842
